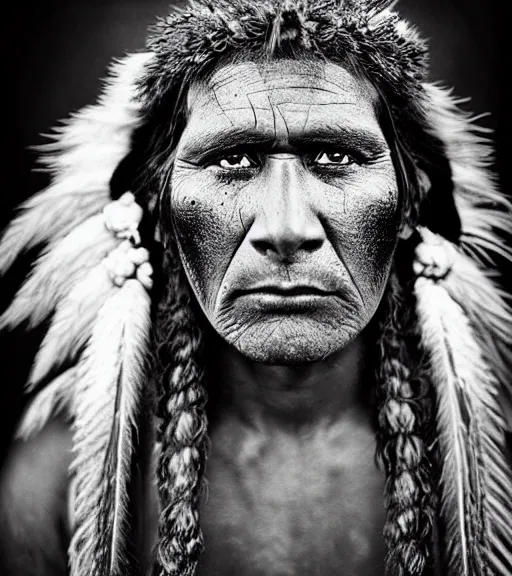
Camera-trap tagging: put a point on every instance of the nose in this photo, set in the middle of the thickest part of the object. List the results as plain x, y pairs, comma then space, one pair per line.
285, 224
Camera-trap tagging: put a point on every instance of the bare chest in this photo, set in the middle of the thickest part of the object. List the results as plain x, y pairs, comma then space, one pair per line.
281, 506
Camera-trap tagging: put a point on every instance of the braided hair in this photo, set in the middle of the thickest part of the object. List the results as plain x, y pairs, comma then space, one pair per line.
183, 426
404, 426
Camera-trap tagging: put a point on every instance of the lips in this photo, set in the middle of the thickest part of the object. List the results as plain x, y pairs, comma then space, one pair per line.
286, 298
265, 285
288, 291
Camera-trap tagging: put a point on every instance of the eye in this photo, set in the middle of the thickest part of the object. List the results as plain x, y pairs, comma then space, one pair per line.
334, 158
236, 161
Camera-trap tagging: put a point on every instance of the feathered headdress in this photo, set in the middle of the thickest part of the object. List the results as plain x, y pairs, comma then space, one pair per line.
93, 282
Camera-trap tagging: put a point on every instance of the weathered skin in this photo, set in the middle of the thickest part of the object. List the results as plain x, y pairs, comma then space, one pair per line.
293, 487
291, 219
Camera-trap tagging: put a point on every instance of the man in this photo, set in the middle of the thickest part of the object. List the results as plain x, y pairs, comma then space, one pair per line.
275, 204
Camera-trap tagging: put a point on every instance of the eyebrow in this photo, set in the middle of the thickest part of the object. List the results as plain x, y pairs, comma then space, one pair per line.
205, 144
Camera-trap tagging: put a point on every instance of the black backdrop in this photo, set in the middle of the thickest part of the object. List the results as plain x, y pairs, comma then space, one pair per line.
58, 50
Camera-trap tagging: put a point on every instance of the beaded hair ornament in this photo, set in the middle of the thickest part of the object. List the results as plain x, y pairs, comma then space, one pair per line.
445, 327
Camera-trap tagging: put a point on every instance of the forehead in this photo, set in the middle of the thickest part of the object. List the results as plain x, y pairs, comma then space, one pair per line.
287, 96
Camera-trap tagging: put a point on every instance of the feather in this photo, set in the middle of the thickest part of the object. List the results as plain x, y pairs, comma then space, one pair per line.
42, 216
484, 231
72, 324
87, 150
476, 482
105, 405
486, 308
63, 264
50, 401
485, 212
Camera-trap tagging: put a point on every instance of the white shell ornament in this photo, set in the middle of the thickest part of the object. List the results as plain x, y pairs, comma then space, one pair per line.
126, 262
123, 217
128, 259
432, 260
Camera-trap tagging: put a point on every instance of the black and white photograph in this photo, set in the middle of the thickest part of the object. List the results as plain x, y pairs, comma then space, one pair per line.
256, 289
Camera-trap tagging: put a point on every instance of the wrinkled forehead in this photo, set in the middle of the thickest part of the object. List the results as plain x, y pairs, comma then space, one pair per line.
300, 93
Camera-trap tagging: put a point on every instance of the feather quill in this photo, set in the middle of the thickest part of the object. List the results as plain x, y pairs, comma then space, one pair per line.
56, 397
477, 485
71, 324
105, 406
55, 273
87, 150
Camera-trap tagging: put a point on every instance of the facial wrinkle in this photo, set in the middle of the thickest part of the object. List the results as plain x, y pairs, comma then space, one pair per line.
333, 243
234, 108
307, 119
270, 93
266, 71
235, 249
284, 122
254, 112
221, 83
308, 112
221, 107
273, 116
344, 262
241, 220
295, 87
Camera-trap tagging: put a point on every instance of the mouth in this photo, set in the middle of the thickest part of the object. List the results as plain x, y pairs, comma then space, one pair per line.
288, 291
287, 298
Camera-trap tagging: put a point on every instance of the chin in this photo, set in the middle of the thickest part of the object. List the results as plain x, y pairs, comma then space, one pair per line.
289, 342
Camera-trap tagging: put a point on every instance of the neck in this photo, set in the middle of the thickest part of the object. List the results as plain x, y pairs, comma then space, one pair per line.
288, 396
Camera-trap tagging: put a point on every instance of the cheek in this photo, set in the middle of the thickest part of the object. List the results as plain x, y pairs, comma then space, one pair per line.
209, 225
363, 225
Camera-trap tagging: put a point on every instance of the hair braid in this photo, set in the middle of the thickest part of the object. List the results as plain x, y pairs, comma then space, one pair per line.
182, 433
404, 421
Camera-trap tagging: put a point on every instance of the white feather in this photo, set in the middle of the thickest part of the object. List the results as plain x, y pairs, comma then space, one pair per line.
484, 211
51, 400
71, 324
105, 406
471, 437
88, 149
55, 273
487, 309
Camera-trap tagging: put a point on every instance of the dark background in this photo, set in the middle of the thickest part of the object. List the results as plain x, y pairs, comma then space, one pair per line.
58, 50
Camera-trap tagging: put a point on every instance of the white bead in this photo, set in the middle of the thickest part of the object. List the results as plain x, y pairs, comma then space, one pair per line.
432, 260
138, 255
123, 217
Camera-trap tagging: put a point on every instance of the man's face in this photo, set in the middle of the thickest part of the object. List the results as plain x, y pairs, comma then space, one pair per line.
284, 200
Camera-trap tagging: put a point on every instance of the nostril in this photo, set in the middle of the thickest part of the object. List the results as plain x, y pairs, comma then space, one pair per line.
286, 247
263, 246
312, 244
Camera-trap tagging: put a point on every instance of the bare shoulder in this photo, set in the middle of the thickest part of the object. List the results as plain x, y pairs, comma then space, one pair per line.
33, 504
